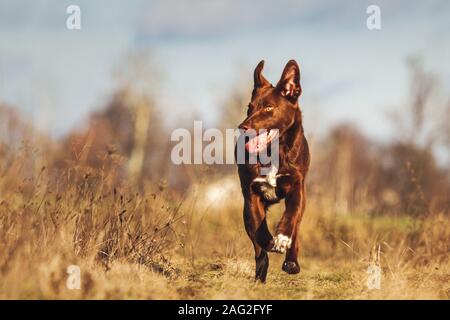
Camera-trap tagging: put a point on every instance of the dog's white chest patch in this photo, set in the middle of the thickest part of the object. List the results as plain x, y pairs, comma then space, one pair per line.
270, 178
266, 185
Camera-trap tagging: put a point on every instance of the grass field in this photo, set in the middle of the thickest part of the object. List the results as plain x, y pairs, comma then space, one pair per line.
150, 245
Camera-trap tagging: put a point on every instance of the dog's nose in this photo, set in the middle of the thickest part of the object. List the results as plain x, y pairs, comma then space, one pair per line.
244, 127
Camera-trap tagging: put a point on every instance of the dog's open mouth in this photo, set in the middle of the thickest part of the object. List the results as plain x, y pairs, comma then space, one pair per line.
259, 142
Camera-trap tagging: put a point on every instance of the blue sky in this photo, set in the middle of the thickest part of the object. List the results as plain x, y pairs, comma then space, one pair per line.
204, 48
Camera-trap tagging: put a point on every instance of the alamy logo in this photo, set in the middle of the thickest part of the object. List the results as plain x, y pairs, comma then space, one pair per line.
373, 21
374, 277
73, 21
252, 146
74, 279
374, 271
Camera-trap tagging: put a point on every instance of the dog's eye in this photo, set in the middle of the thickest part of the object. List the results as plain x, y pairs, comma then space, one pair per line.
268, 108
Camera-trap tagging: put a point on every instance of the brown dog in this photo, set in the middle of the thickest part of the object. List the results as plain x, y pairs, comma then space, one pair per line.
275, 108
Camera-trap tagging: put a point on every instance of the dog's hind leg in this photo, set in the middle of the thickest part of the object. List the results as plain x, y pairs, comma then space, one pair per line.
262, 263
258, 232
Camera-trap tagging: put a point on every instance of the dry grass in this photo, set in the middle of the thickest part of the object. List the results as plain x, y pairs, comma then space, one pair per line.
146, 243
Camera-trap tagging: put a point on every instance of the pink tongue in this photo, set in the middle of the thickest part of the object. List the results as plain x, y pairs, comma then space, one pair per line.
257, 144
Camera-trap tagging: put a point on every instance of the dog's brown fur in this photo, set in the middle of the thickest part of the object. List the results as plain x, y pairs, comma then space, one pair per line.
276, 108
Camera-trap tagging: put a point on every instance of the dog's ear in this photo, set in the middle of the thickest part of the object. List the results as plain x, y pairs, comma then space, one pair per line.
289, 84
259, 79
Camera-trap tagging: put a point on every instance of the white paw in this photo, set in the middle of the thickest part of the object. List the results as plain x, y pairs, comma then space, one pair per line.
281, 243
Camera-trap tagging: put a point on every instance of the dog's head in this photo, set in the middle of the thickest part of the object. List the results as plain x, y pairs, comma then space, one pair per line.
272, 107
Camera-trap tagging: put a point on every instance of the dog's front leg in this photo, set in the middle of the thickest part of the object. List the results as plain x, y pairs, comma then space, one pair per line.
290, 264
258, 232
285, 239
